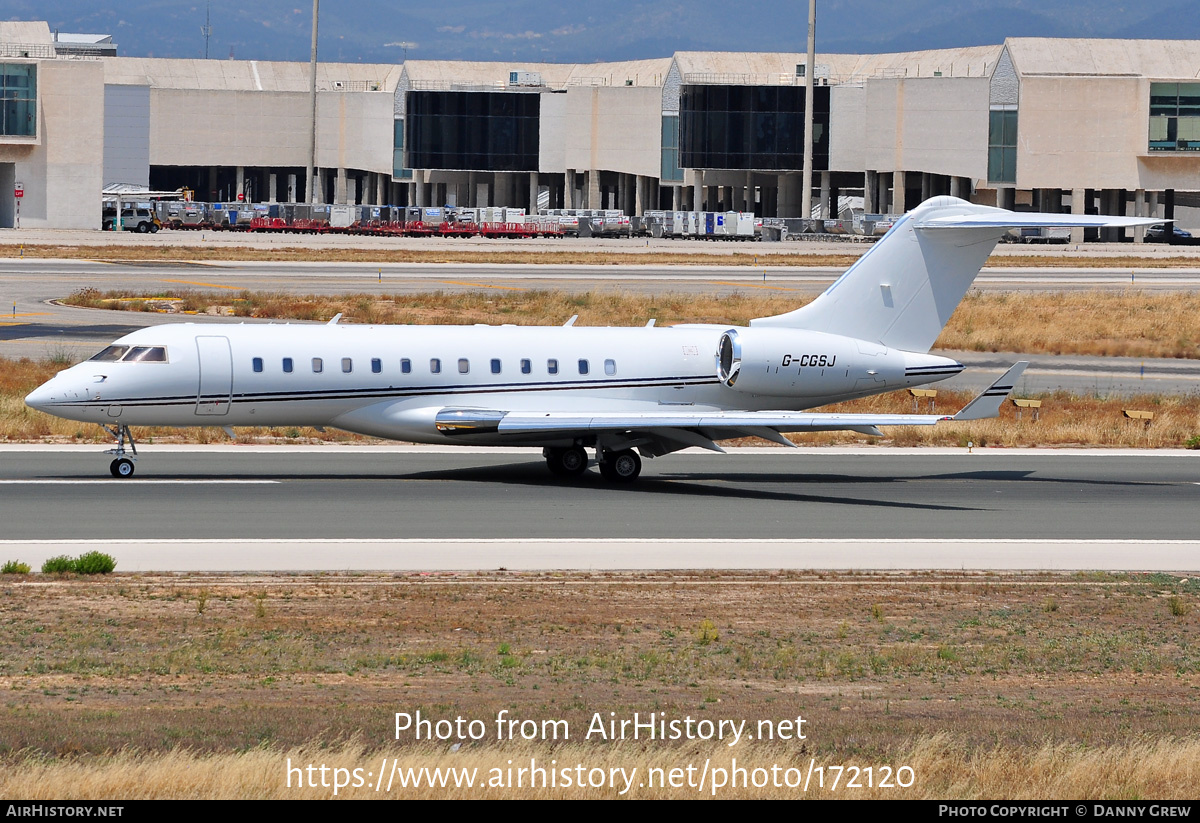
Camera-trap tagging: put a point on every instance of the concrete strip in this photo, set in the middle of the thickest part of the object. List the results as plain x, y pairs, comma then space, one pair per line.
263, 555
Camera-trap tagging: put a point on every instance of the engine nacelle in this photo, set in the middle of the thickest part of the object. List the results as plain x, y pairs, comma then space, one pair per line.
794, 363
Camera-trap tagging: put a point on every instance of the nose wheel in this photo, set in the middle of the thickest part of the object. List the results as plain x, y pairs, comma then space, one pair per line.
122, 464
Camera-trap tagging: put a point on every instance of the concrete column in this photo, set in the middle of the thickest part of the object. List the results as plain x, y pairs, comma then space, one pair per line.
788, 199
1152, 204
533, 193
956, 186
339, 186
871, 192
826, 213
1078, 206
351, 190
595, 196
676, 198
926, 186
569, 189
239, 186
898, 205
697, 189
1139, 210
640, 189
271, 195
418, 194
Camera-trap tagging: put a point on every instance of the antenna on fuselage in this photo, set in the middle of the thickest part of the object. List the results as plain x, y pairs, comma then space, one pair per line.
571, 322
335, 319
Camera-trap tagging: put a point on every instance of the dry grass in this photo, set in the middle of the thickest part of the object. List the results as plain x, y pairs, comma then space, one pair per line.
942, 768
769, 255
1129, 324
121, 688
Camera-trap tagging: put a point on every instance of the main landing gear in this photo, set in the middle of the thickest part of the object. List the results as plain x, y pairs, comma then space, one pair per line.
121, 466
622, 466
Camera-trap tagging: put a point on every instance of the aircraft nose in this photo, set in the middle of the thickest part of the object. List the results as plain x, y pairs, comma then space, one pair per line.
40, 398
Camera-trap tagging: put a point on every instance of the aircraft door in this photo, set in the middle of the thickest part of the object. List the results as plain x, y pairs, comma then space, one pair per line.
216, 375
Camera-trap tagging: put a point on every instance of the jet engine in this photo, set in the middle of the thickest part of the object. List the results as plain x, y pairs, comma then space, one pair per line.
795, 363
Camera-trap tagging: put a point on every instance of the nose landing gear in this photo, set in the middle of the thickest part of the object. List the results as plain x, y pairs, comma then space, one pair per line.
122, 465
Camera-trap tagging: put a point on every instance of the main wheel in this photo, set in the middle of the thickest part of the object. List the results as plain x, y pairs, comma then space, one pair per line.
568, 462
121, 467
621, 467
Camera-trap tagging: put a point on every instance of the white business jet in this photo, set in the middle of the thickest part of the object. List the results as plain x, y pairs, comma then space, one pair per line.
622, 392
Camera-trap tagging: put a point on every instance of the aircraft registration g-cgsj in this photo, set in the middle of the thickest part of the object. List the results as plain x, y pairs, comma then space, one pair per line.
620, 391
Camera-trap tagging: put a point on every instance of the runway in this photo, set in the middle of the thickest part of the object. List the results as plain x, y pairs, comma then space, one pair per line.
411, 508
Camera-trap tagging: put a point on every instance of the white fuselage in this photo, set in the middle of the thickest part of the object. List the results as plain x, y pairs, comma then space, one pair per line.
391, 381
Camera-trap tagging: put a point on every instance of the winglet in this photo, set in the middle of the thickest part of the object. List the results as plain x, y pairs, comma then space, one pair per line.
988, 403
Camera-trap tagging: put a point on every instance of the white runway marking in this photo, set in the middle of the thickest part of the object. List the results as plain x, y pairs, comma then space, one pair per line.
146, 482
461, 554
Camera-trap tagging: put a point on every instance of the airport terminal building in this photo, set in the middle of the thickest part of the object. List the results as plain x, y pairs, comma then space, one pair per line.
1099, 126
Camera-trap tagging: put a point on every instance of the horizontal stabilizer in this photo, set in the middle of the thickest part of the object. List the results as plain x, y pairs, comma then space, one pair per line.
988, 403
1001, 219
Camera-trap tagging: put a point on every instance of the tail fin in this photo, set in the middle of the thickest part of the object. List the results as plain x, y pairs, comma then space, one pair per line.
902, 292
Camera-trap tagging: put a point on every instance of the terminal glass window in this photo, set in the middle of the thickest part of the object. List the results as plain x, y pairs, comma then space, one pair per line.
472, 131
670, 170
18, 99
750, 127
398, 170
1002, 145
1174, 117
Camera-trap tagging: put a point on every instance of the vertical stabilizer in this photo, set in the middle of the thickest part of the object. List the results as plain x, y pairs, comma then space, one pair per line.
902, 292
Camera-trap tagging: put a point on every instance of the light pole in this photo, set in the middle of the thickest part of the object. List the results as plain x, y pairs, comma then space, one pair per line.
309, 185
806, 181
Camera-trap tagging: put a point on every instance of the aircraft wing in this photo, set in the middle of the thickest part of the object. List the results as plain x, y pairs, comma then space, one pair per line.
701, 428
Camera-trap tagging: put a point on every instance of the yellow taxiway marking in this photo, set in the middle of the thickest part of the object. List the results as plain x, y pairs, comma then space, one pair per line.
208, 285
13, 324
751, 285
25, 314
480, 285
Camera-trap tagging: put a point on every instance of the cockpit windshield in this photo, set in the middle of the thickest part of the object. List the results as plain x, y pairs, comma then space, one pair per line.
133, 354
111, 354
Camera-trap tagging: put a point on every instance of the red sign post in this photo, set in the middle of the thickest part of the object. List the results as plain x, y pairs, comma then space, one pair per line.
18, 193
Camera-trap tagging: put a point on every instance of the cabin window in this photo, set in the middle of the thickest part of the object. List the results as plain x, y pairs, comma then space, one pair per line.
435, 365
257, 364
583, 367
495, 365
146, 354
376, 365
610, 367
552, 366
318, 365
111, 355
406, 366
287, 365
526, 366
464, 365
347, 365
